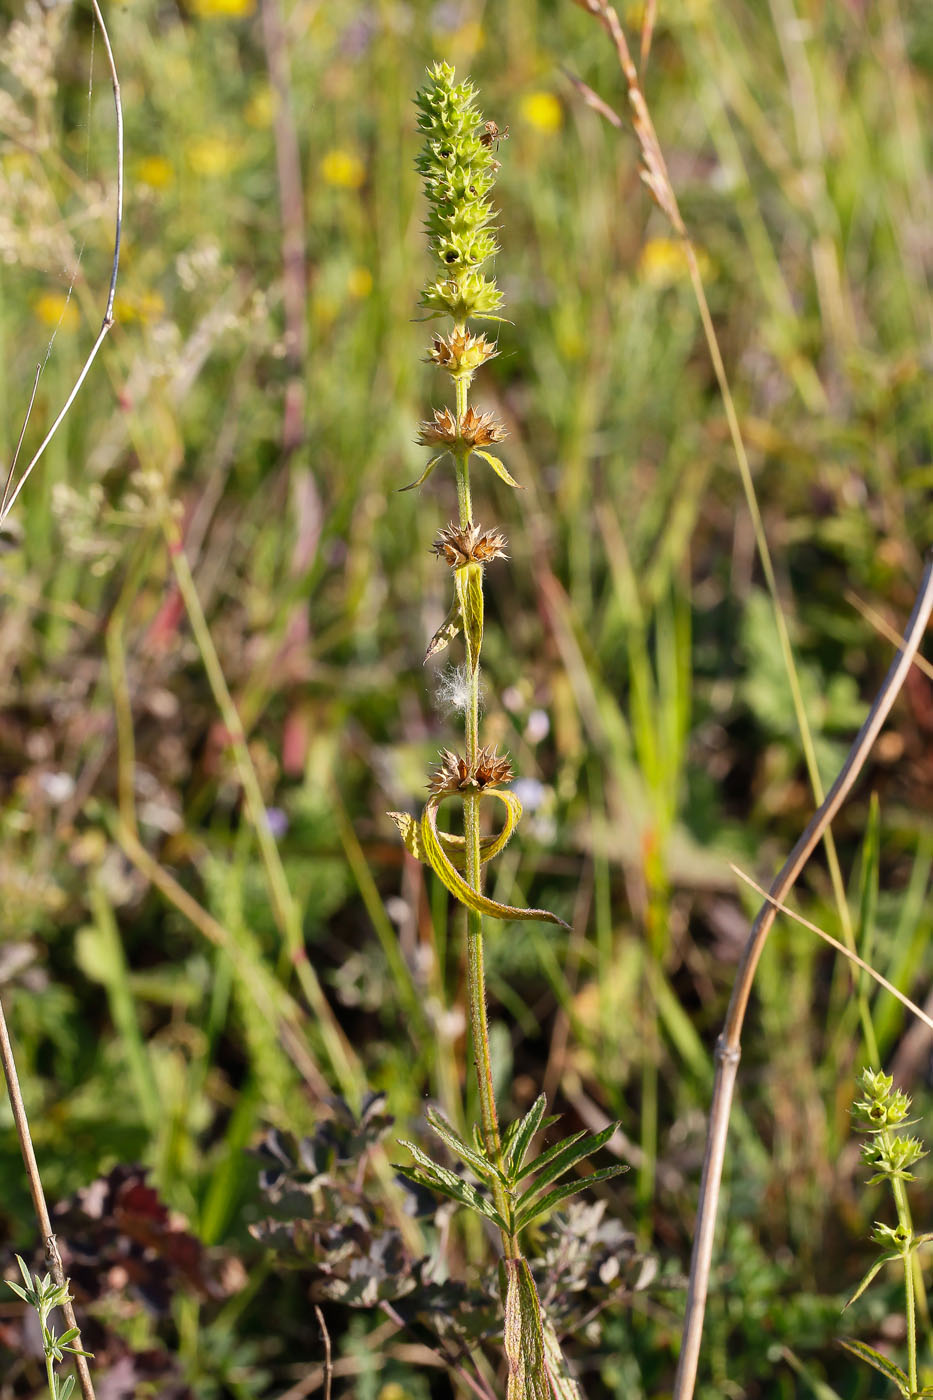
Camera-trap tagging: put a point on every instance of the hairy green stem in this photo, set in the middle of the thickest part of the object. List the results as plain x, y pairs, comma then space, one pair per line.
476, 978
910, 1296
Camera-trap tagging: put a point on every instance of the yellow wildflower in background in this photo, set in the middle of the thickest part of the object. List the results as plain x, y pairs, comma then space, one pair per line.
464, 42
154, 171
542, 110
260, 108
223, 9
663, 262
343, 169
55, 309
211, 155
359, 282
147, 307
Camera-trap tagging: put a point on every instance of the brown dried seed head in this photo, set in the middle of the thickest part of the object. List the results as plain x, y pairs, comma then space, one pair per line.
453, 774
491, 768
441, 433
469, 544
480, 429
476, 430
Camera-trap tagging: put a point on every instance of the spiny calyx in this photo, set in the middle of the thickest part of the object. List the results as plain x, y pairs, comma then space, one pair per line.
457, 774
460, 545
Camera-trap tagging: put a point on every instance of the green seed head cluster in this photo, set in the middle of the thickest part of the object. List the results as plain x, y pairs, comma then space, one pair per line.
882, 1112
459, 170
882, 1106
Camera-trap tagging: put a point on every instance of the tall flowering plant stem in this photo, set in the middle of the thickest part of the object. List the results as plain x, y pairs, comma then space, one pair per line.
458, 165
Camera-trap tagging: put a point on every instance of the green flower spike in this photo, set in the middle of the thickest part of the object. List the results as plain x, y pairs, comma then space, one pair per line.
459, 170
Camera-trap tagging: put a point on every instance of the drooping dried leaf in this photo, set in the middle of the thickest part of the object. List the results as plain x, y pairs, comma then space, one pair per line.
446, 633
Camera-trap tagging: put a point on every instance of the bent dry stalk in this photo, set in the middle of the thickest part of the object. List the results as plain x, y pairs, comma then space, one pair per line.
459, 169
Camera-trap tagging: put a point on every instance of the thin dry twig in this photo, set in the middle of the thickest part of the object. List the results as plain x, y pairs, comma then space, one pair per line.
291, 203
49, 1241
19, 444
839, 947
10, 497
728, 1047
884, 628
328, 1361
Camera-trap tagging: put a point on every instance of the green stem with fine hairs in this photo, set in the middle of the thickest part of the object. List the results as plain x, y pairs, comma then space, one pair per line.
476, 978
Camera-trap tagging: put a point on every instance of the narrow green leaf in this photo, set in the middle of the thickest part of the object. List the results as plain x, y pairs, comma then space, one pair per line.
881, 1363
27, 1276
429, 1173
563, 1155
523, 1131
447, 1133
498, 467
885, 1259
19, 1291
445, 633
460, 1191
66, 1387
68, 1336
549, 1156
523, 1338
458, 887
425, 474
561, 1193
469, 581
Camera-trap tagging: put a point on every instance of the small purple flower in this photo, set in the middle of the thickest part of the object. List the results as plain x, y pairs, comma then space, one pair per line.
278, 822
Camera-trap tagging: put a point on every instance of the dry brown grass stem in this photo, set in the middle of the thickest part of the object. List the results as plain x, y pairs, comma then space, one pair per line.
728, 1047
884, 628
49, 1242
291, 205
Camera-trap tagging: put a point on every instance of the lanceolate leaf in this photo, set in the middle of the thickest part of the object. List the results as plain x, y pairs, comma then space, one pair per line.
425, 474
563, 1155
549, 1156
561, 1193
884, 1259
523, 1338
410, 831
881, 1363
455, 846
455, 882
469, 582
498, 467
447, 1133
428, 1173
519, 1139
445, 633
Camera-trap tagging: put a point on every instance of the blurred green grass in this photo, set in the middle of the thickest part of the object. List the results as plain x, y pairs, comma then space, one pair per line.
632, 671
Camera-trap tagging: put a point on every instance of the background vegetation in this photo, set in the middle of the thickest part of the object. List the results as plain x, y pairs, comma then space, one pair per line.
152, 945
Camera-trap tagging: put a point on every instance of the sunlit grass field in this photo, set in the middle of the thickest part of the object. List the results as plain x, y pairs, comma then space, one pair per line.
215, 604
